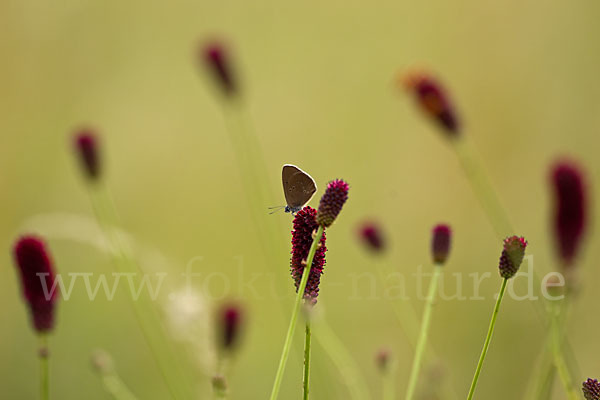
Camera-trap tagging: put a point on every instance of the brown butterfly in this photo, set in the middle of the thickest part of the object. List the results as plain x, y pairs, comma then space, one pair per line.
298, 188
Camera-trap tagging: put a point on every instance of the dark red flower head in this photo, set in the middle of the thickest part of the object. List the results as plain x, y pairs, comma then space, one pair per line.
37, 281
370, 234
305, 223
382, 360
86, 146
230, 320
216, 59
591, 389
512, 256
569, 209
440, 243
433, 100
332, 202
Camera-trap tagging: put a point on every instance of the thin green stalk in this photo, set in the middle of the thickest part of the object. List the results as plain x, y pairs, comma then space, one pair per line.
559, 361
343, 361
405, 313
145, 314
422, 341
389, 383
306, 380
488, 339
44, 367
116, 388
295, 311
483, 188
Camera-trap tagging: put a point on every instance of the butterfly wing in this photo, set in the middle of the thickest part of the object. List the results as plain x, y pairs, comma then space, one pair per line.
298, 186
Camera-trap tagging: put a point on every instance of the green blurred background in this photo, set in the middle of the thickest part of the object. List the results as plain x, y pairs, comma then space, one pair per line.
319, 79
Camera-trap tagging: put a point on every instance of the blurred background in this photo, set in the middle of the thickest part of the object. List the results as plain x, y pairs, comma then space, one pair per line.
320, 82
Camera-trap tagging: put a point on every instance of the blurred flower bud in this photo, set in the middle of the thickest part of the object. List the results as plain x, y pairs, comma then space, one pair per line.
440, 243
371, 235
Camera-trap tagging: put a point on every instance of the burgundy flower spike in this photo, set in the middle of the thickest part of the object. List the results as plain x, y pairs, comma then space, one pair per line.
433, 100
440, 243
217, 61
305, 223
230, 320
512, 256
370, 234
35, 266
569, 209
332, 202
591, 389
86, 146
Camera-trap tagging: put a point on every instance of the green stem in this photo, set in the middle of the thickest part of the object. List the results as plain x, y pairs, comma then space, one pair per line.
488, 339
306, 380
422, 341
389, 387
559, 361
295, 311
343, 361
483, 189
44, 367
405, 313
144, 312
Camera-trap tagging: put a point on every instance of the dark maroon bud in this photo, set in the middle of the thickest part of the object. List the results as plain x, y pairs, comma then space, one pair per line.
37, 281
216, 59
591, 389
433, 100
305, 223
371, 235
440, 243
86, 146
332, 202
230, 323
569, 209
512, 256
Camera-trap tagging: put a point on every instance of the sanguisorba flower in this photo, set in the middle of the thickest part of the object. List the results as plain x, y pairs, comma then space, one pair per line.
512, 256
86, 147
216, 59
440, 243
569, 220
591, 389
37, 281
230, 321
433, 100
332, 202
305, 223
370, 233
382, 360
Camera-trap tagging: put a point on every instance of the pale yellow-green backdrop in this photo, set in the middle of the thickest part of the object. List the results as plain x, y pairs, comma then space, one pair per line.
320, 81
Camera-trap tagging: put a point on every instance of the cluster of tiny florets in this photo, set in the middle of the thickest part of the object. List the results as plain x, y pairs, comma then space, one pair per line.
591, 389
332, 202
512, 256
434, 101
37, 281
305, 224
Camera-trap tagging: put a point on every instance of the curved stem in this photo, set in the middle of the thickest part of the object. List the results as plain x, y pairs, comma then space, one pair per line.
559, 361
344, 363
488, 339
44, 367
295, 311
422, 341
144, 310
306, 380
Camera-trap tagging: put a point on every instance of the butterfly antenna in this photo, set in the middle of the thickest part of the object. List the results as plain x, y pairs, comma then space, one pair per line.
275, 209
